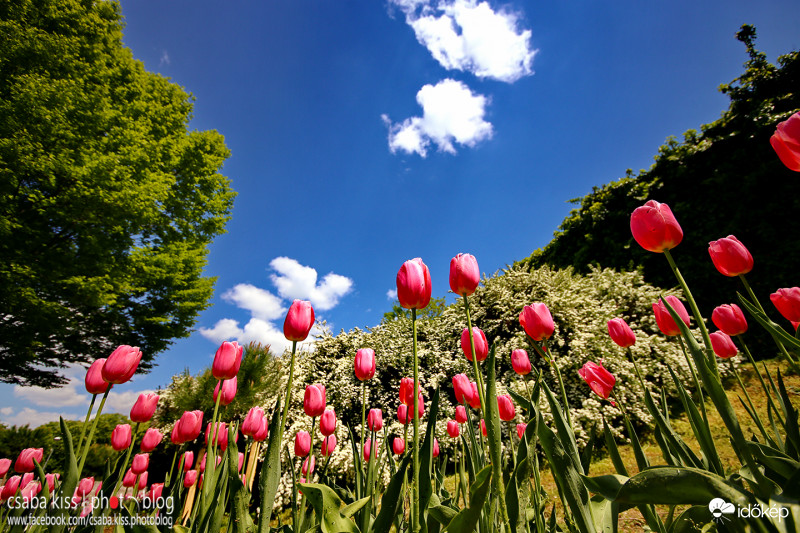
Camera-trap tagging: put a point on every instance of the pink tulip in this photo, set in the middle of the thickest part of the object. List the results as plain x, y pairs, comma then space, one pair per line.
435, 447
314, 400
722, 345
84, 487
152, 438
10, 488
414, 284
298, 321
221, 434
520, 362
506, 407
5, 465
375, 420
252, 422
25, 461
600, 380
368, 449
190, 478
227, 361
327, 422
787, 302
483, 427
475, 402
786, 142
664, 320
461, 414
364, 364
621, 333
302, 443
145, 406
537, 322
308, 466
121, 437
155, 491
479, 339
462, 388
263, 431
402, 414
189, 426
241, 461
407, 391
464, 274
452, 429
50, 479
228, 391
328, 445
188, 460
398, 446
29, 491
655, 228
140, 463
730, 256
129, 479
521, 430
729, 319
143, 480
95, 384
121, 365
26, 478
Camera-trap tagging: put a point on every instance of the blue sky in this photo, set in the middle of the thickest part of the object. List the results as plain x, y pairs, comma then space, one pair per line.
366, 133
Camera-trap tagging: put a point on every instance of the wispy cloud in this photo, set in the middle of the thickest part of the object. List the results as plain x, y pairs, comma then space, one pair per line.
450, 113
164, 58
471, 36
391, 294
27, 416
292, 281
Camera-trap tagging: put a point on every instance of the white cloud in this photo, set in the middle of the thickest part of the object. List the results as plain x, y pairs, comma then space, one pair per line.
261, 303
164, 58
391, 294
470, 36
70, 395
295, 281
32, 417
450, 112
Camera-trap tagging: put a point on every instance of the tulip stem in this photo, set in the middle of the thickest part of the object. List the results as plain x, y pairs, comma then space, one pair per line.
696, 381
561, 386
211, 463
760, 378
288, 389
782, 348
363, 412
91, 431
475, 367
415, 526
86, 422
693, 306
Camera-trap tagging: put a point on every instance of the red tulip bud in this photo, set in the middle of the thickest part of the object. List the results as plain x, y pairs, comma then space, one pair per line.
786, 142
521, 430
95, 384
452, 428
375, 420
228, 391
461, 414
26, 457
152, 438
730, 319
506, 407
655, 228
145, 406
298, 321
621, 333
723, 345
664, 320
520, 362
414, 284
398, 446
328, 445
121, 437
365, 364
600, 380
730, 256
140, 463
787, 302
464, 274
190, 478
121, 365
479, 339
314, 400
327, 422
537, 322
302, 443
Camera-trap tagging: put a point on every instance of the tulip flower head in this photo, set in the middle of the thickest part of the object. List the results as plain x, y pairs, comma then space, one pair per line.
435, 447
414, 284
786, 142
263, 432
327, 422
369, 449
308, 466
129, 479
328, 445
407, 391
787, 302
402, 414
221, 433
227, 360
188, 460
655, 228
375, 420
729, 319
152, 438
189, 478
5, 465
121, 437
314, 400
95, 384
464, 274
143, 480
483, 427
461, 414
364, 364
730, 256
537, 322
51, 479
506, 407
521, 430
25, 461
10, 488
398, 446
481, 345
189, 425
140, 463
298, 321
29, 490
453, 429
252, 422
723, 345
302, 443
520, 362
664, 320
229, 387
621, 333
475, 402
462, 388
600, 380
145, 406
121, 365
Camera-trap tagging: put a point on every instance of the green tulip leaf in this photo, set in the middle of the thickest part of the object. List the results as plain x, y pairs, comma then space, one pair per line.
327, 505
270, 469
467, 518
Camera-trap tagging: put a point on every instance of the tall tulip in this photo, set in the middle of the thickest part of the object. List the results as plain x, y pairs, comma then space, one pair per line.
537, 321
730, 256
464, 274
129, 479
786, 142
461, 414
402, 414
462, 388
189, 478
375, 420
414, 284
121, 365
664, 320
520, 362
227, 360
521, 430
479, 341
252, 422
328, 445
144, 407
10, 488
452, 429
398, 446
787, 302
730, 319
302, 443
327, 422
435, 447
189, 426
263, 431
621, 333
25, 461
121, 437
188, 460
600, 380
140, 463
229, 387
314, 400
152, 438
298, 321
95, 384
506, 407
369, 449
475, 402
407, 391
655, 228
723, 345
364, 364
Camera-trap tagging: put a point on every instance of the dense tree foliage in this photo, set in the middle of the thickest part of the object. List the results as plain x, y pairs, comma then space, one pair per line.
724, 180
107, 201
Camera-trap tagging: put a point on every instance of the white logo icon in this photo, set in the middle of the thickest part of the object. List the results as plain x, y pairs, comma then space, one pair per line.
719, 508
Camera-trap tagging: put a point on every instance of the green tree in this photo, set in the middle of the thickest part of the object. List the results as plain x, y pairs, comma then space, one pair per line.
723, 180
107, 201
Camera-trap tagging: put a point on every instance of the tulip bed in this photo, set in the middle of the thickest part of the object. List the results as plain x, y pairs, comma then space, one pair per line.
496, 483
